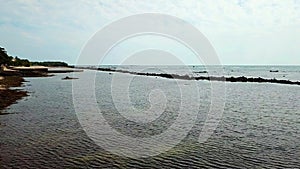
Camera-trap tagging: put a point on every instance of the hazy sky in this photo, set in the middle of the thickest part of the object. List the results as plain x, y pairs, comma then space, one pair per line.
241, 31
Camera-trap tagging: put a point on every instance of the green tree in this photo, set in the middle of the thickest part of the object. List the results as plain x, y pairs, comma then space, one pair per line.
4, 58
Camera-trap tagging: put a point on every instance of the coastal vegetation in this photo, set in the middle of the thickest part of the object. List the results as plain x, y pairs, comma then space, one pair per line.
49, 64
7, 60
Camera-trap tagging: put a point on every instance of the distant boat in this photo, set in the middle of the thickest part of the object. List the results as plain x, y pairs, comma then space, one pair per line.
69, 78
274, 70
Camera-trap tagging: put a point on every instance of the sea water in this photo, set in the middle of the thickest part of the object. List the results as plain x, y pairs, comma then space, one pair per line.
259, 127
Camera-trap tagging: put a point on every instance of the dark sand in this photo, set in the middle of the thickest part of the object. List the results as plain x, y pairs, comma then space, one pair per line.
9, 96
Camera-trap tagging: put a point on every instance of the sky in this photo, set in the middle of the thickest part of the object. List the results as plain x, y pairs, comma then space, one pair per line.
251, 32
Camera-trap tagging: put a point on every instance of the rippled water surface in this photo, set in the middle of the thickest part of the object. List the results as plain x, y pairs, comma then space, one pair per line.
259, 127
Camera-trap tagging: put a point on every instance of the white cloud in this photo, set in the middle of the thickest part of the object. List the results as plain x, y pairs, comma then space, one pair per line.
53, 22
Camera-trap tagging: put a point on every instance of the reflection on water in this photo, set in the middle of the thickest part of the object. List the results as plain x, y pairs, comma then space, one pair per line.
259, 129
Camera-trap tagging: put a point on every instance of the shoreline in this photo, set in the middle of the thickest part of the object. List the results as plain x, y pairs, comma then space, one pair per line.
10, 96
15, 78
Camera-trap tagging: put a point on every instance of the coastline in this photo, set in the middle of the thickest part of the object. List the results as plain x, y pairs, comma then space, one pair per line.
13, 77
10, 96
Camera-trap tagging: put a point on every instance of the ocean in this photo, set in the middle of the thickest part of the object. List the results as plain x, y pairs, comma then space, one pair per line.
258, 127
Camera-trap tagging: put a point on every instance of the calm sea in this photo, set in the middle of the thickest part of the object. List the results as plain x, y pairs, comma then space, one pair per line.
259, 127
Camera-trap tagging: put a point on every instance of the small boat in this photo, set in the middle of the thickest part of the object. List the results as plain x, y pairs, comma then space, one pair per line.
69, 78
274, 70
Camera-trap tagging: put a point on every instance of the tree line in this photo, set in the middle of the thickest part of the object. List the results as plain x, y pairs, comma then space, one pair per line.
7, 60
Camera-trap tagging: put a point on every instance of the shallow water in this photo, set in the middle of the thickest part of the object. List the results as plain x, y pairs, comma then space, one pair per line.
259, 127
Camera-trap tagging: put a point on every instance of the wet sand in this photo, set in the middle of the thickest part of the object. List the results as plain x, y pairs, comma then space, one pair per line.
9, 96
